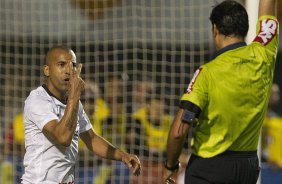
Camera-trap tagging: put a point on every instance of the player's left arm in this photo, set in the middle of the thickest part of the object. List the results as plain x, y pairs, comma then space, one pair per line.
105, 149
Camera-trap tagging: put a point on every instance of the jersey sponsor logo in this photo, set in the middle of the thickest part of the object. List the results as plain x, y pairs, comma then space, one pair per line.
268, 30
192, 82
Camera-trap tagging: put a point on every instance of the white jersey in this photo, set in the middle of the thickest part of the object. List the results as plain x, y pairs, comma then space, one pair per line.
45, 161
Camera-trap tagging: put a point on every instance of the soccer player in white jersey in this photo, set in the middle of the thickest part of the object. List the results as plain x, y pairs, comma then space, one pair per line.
54, 119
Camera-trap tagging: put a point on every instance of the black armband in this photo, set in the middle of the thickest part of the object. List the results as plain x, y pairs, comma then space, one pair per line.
173, 168
190, 113
188, 117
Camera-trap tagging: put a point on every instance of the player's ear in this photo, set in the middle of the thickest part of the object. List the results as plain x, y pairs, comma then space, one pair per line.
46, 70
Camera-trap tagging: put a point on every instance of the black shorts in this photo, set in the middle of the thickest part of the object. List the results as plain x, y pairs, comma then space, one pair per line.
231, 167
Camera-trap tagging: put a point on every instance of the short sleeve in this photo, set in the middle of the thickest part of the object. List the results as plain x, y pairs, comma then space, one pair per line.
197, 89
39, 111
268, 34
83, 120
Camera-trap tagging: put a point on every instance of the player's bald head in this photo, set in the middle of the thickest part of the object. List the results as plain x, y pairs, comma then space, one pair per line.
52, 52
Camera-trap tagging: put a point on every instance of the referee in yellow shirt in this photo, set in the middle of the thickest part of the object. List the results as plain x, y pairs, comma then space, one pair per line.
226, 100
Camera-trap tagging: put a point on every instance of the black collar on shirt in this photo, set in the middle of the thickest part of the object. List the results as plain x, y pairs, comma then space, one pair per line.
49, 92
229, 47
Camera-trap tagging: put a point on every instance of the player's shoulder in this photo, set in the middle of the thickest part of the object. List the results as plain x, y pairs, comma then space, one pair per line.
207, 67
37, 95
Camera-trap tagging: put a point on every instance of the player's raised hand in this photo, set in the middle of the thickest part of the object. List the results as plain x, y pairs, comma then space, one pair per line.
76, 82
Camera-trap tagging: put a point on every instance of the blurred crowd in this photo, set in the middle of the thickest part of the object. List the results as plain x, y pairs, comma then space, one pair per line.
271, 154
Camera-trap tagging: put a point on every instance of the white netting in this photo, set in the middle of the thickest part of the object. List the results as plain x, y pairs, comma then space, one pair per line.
157, 44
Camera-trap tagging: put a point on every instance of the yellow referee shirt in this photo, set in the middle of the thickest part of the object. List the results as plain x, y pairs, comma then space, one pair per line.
232, 91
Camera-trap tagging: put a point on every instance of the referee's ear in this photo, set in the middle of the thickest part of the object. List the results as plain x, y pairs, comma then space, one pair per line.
46, 70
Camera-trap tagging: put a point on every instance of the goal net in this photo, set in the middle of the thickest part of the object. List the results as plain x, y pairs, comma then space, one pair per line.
138, 58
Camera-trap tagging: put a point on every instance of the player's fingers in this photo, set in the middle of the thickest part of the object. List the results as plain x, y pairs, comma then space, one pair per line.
134, 157
136, 169
70, 69
78, 71
169, 181
136, 165
133, 163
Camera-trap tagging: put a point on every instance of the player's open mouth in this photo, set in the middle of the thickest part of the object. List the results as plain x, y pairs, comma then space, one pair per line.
67, 80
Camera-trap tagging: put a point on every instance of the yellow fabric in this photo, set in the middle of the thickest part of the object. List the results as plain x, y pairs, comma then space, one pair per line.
100, 114
102, 175
6, 172
18, 128
274, 146
232, 91
156, 136
97, 119
114, 132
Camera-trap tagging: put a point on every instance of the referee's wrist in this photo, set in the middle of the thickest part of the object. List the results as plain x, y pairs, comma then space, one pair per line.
173, 168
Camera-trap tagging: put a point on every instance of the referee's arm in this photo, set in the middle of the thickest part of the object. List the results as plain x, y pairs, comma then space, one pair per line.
176, 137
267, 7
186, 116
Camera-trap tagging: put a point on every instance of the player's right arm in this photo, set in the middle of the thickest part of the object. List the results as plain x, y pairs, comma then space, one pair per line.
62, 131
267, 7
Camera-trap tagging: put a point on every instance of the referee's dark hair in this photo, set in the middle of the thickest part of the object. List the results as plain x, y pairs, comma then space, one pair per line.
230, 18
